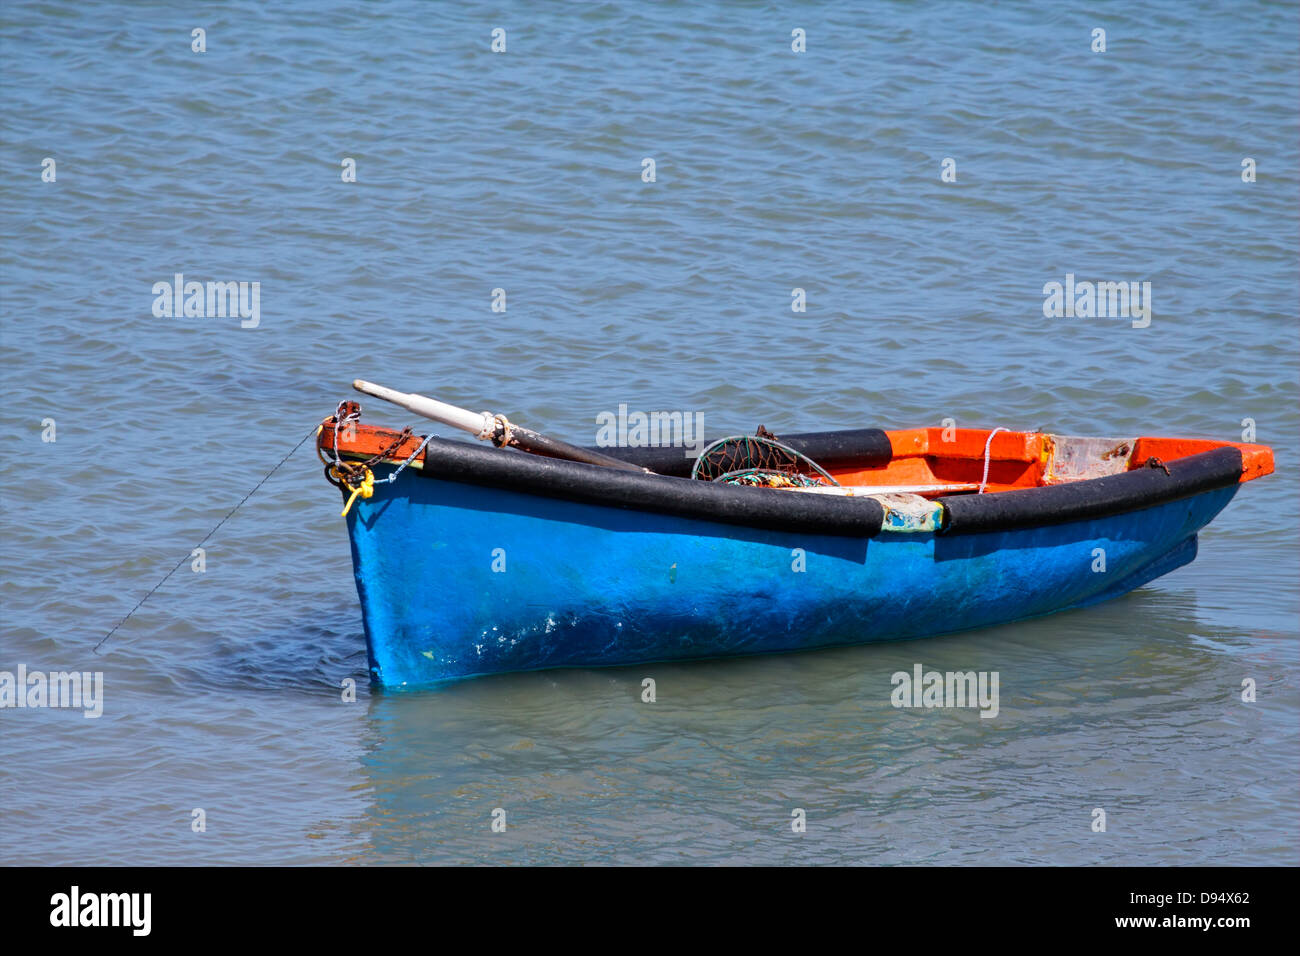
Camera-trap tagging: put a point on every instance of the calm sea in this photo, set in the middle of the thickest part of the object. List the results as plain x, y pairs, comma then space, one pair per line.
524, 171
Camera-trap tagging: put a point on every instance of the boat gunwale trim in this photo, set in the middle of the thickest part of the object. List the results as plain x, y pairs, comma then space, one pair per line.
761, 508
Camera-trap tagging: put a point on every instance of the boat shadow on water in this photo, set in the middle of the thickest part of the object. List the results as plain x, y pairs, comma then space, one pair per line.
709, 762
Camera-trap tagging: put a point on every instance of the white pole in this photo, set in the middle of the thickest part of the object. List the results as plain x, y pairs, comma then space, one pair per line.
479, 424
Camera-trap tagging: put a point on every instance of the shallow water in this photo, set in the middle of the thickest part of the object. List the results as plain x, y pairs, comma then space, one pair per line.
522, 171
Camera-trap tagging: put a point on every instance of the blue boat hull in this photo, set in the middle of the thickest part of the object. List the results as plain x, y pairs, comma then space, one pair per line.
458, 580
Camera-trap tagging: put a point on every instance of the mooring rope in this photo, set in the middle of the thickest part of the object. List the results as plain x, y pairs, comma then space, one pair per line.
357, 477
310, 434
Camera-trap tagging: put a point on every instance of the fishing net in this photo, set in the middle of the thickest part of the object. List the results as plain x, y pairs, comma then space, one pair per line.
758, 460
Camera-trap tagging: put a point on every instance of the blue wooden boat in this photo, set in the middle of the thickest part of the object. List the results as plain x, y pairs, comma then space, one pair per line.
475, 560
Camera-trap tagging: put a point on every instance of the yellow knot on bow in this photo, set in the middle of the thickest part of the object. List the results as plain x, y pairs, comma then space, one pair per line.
365, 490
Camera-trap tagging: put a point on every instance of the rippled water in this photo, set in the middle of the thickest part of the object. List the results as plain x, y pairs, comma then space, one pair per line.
522, 171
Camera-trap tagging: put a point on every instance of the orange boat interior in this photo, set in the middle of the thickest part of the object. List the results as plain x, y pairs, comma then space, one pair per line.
945, 461
938, 461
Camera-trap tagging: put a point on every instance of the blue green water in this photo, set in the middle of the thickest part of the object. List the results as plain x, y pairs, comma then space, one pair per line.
522, 170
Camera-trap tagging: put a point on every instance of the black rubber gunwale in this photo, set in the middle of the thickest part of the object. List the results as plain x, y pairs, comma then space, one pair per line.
823, 514
657, 494
1093, 498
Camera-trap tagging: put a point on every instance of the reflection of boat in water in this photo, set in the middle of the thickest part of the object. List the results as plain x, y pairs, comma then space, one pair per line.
587, 772
477, 560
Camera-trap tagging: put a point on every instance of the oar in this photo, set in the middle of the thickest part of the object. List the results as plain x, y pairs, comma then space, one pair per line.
486, 426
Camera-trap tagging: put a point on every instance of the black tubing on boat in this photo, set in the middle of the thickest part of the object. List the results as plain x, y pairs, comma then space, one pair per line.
860, 447
759, 508
1095, 498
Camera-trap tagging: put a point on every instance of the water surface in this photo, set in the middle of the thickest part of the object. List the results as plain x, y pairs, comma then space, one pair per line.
522, 171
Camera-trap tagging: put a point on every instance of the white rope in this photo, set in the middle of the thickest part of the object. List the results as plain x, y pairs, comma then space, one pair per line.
342, 420
402, 467
988, 445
